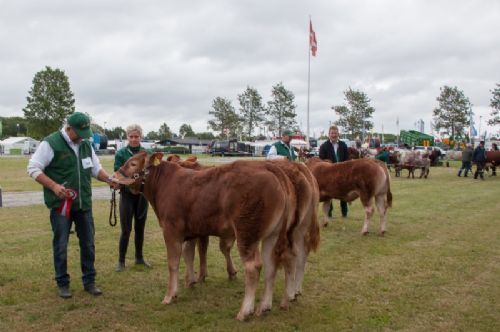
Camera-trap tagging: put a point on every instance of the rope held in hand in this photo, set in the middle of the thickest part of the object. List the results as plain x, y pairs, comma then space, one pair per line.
112, 209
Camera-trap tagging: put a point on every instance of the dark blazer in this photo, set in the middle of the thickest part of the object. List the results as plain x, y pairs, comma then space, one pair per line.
326, 152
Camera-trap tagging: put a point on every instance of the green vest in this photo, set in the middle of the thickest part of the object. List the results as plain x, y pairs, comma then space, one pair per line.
66, 169
122, 155
283, 150
383, 156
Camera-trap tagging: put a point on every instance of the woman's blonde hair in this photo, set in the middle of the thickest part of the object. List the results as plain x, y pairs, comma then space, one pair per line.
134, 127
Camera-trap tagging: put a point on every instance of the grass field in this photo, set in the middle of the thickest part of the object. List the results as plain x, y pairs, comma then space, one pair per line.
437, 269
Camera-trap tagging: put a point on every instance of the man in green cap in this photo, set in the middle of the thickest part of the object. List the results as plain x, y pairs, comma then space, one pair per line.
64, 164
282, 149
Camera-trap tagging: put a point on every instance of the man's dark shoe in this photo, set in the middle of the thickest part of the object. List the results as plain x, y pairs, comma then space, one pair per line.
120, 267
344, 215
64, 292
93, 290
143, 262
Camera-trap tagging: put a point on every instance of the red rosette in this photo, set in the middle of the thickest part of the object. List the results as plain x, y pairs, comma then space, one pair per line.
65, 207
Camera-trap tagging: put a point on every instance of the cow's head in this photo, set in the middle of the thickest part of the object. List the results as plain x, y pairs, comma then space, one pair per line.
135, 170
190, 162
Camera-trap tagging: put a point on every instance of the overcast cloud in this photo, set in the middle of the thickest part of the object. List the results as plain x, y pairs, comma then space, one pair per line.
150, 62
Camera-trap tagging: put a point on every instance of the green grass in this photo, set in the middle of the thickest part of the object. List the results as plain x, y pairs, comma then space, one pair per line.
437, 269
14, 176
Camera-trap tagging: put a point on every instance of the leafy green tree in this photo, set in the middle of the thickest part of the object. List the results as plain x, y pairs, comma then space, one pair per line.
252, 111
495, 105
354, 117
116, 133
186, 131
13, 126
50, 101
205, 135
452, 114
281, 109
225, 121
152, 135
164, 132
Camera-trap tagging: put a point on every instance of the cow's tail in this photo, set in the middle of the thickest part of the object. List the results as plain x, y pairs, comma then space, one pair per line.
388, 181
282, 252
313, 236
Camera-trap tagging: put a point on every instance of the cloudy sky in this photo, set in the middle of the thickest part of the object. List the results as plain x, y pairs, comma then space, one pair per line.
158, 61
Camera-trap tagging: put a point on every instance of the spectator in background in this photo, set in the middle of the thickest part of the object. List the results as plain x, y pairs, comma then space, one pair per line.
494, 147
466, 160
336, 151
282, 149
132, 206
383, 155
479, 157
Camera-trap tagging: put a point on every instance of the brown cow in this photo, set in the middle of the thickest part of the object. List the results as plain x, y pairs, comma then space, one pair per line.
233, 200
303, 235
225, 244
412, 160
493, 157
367, 179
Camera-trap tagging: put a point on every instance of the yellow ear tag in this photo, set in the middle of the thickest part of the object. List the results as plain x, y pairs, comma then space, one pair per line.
156, 162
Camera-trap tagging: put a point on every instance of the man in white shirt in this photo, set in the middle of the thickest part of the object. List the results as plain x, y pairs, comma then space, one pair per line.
282, 149
64, 164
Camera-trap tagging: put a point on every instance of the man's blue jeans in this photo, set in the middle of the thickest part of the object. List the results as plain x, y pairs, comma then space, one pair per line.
84, 225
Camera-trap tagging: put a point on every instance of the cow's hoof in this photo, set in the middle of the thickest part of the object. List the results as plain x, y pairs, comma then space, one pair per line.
242, 316
365, 233
232, 276
168, 299
201, 279
190, 284
382, 234
285, 305
262, 310
325, 224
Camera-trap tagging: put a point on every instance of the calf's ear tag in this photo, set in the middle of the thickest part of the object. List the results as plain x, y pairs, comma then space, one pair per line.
156, 162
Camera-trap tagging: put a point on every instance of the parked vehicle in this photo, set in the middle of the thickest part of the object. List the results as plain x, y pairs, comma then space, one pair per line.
228, 148
266, 149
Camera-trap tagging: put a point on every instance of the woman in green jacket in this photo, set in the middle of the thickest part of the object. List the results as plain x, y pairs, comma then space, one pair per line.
132, 206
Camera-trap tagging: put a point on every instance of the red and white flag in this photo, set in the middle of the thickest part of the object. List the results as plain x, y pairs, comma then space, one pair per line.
312, 39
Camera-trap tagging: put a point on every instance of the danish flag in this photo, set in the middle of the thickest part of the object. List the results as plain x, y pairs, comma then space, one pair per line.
312, 39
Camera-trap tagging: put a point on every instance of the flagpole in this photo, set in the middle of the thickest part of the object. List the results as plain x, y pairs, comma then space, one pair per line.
308, 79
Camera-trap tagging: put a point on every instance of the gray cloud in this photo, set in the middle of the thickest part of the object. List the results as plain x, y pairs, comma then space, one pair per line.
162, 61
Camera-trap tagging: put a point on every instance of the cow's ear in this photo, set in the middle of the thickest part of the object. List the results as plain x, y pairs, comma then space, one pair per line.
173, 158
192, 159
155, 159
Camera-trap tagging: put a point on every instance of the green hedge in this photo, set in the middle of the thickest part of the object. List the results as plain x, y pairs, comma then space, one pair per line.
173, 150
15, 151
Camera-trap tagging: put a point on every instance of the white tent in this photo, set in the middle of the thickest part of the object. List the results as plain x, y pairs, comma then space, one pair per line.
18, 145
299, 143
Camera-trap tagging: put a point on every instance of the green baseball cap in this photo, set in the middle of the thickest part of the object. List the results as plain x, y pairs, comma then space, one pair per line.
287, 132
80, 122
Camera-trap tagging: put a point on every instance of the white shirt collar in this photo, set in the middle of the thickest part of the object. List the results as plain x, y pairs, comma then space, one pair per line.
66, 137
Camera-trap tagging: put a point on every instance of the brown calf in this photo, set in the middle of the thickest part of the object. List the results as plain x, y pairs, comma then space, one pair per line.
303, 234
367, 179
251, 205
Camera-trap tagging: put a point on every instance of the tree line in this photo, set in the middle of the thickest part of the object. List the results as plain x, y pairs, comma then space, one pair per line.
50, 101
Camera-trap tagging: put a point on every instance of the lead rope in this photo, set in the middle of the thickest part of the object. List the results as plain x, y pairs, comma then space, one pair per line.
112, 209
